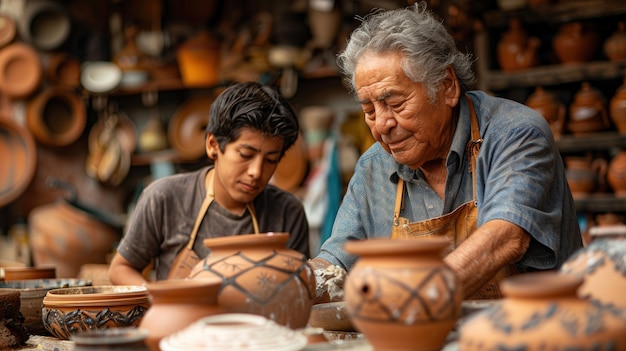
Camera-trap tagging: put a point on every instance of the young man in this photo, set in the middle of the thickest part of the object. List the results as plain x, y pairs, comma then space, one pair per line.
250, 128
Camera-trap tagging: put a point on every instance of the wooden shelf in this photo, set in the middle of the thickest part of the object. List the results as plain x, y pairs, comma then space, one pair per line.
591, 142
600, 203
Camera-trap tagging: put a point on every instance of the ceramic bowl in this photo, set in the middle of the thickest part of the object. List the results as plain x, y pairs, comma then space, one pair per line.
69, 311
32, 292
100, 77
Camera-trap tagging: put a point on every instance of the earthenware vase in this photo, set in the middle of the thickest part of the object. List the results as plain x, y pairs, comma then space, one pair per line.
516, 50
260, 275
176, 304
602, 266
576, 42
616, 174
541, 311
550, 107
584, 174
615, 45
588, 112
401, 294
617, 108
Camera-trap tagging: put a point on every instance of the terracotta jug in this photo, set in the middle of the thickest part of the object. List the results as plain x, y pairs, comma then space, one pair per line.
550, 107
616, 174
617, 108
615, 45
602, 266
401, 294
516, 50
199, 59
588, 112
576, 42
541, 311
176, 304
584, 174
260, 275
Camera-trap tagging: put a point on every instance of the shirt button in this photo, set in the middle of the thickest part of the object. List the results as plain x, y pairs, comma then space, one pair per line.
430, 207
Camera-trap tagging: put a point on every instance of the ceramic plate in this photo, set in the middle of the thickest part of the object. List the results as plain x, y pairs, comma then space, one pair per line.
100, 76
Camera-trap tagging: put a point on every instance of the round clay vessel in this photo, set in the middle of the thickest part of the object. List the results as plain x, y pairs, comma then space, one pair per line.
198, 60
602, 266
584, 174
615, 45
18, 152
588, 112
516, 50
550, 107
401, 294
541, 311
260, 275
56, 117
67, 311
177, 303
616, 174
576, 42
617, 108
120, 339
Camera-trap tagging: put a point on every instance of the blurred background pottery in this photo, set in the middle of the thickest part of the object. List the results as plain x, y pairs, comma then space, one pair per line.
100, 77
617, 108
615, 46
199, 60
401, 294
24, 273
32, 292
541, 311
588, 112
516, 50
576, 42
19, 156
67, 311
64, 69
550, 107
56, 116
584, 174
20, 70
187, 127
616, 174
180, 302
45, 24
8, 29
260, 275
122, 339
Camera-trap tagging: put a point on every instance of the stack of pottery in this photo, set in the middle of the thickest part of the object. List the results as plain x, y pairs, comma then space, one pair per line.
260, 275
588, 112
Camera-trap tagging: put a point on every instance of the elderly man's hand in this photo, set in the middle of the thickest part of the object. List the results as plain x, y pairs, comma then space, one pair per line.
329, 281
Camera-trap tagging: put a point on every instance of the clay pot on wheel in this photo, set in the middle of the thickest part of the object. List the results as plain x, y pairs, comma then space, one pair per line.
260, 275
401, 294
541, 311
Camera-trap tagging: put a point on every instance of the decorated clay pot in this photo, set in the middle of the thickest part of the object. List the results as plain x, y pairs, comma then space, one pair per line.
576, 42
260, 275
601, 264
588, 112
176, 304
541, 311
615, 45
617, 108
550, 107
516, 50
401, 294
584, 174
616, 174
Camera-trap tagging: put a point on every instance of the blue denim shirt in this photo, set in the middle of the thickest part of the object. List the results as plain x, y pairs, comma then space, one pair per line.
520, 179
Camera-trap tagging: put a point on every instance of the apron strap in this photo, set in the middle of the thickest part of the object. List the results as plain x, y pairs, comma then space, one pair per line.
255, 223
399, 202
208, 199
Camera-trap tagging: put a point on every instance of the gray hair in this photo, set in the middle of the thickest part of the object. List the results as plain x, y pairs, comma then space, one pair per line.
427, 46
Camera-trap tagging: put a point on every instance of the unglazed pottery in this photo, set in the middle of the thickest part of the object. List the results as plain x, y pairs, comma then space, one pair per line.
120, 339
584, 174
330, 316
516, 50
602, 265
260, 275
576, 42
56, 117
67, 311
541, 311
401, 294
588, 112
617, 108
550, 107
615, 45
235, 331
199, 59
616, 174
176, 304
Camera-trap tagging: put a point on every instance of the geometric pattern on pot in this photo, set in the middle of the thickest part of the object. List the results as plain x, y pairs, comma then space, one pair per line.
423, 295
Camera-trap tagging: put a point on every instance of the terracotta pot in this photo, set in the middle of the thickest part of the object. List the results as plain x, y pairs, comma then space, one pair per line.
56, 117
7, 29
602, 267
576, 42
23, 273
401, 294
617, 108
330, 316
20, 70
615, 45
588, 112
187, 128
541, 311
45, 24
68, 311
260, 276
180, 303
292, 167
121, 339
61, 227
64, 69
324, 24
19, 158
584, 174
616, 174
199, 60
516, 50
550, 107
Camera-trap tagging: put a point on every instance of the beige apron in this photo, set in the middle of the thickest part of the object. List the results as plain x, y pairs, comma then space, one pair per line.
457, 225
187, 257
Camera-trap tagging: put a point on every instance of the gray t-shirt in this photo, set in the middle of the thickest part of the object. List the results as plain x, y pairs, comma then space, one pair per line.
166, 212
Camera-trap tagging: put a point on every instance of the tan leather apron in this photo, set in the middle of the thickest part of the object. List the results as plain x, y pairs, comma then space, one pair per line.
187, 257
457, 225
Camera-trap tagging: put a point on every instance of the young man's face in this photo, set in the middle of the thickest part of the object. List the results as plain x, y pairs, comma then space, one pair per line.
244, 168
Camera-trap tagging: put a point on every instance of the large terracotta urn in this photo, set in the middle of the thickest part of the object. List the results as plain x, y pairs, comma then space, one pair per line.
617, 108
176, 304
260, 275
616, 174
516, 50
550, 107
542, 311
588, 112
401, 294
576, 42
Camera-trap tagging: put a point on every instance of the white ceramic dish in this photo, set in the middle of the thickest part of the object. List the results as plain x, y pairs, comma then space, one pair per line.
100, 77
